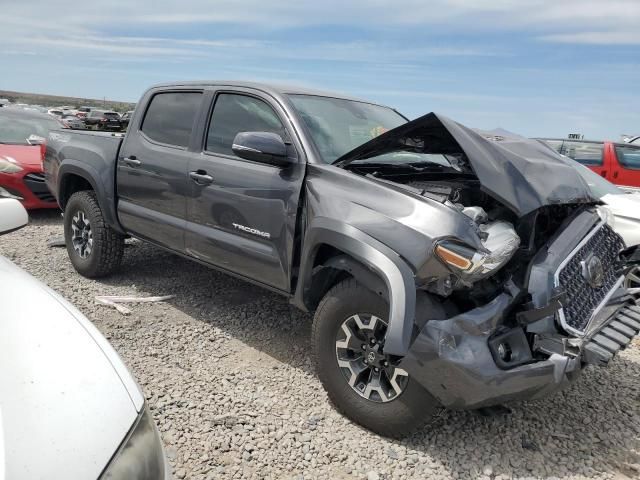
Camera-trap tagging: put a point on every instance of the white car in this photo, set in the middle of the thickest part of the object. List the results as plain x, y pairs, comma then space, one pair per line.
69, 407
624, 205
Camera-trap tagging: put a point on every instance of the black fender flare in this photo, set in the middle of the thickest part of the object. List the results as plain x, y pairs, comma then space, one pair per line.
372, 254
92, 176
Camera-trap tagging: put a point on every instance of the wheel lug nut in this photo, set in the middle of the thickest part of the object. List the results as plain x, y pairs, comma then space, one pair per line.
366, 363
364, 346
376, 369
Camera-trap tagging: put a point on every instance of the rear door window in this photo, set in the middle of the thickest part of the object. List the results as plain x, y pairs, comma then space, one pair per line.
586, 153
628, 156
233, 113
170, 117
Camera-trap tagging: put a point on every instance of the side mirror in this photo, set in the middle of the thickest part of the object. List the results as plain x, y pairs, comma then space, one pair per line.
263, 147
12, 215
36, 140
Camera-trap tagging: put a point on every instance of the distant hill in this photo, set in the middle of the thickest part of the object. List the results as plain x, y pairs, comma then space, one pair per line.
57, 101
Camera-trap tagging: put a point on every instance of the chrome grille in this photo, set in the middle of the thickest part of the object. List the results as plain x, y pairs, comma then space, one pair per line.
583, 299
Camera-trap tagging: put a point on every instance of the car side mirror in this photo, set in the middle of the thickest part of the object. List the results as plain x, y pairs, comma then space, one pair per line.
36, 140
263, 147
12, 215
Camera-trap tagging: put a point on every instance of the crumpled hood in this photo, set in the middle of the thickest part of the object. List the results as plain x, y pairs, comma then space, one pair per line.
520, 173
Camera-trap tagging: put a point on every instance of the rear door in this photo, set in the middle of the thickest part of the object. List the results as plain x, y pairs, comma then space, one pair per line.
589, 154
628, 158
152, 181
244, 219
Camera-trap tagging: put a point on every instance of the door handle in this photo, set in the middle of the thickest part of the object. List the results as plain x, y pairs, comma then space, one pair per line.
604, 174
201, 177
615, 174
132, 161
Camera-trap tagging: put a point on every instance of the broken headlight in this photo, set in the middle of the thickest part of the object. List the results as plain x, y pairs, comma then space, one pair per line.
606, 214
500, 243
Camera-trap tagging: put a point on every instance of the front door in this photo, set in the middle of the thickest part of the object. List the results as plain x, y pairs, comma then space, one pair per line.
152, 179
627, 157
242, 214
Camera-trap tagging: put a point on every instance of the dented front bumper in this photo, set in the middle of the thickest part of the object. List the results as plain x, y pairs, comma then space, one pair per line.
457, 360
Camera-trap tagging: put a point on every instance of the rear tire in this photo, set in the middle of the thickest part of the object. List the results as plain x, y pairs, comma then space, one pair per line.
395, 415
94, 248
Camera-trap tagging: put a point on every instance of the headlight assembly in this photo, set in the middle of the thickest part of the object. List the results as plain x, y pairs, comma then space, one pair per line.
140, 456
607, 215
7, 166
500, 243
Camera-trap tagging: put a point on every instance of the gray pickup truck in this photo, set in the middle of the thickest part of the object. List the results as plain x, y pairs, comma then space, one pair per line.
444, 269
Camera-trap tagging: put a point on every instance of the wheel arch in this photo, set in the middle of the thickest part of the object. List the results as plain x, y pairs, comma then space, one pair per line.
75, 176
333, 250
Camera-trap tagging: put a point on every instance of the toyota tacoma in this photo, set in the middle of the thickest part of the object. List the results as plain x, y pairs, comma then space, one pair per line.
444, 269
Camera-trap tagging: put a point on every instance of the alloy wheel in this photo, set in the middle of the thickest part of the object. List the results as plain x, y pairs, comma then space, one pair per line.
370, 372
81, 235
632, 279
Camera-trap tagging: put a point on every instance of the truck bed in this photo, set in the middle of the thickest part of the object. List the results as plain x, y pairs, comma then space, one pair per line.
82, 151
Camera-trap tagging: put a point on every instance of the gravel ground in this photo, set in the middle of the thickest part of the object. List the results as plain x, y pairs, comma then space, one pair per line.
226, 368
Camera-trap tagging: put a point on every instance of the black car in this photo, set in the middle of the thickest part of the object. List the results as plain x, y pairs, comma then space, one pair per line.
444, 269
103, 120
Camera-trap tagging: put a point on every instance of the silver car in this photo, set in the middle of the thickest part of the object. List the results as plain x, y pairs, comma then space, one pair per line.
69, 407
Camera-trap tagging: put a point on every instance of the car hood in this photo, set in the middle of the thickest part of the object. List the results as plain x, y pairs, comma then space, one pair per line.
67, 400
624, 205
518, 172
27, 155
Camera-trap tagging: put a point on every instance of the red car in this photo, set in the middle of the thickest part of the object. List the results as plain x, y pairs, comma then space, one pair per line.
22, 138
616, 161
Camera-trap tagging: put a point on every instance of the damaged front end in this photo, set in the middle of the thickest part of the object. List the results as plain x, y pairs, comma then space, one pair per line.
532, 294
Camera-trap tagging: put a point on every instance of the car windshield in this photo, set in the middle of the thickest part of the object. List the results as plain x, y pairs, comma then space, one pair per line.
16, 129
111, 115
598, 185
337, 125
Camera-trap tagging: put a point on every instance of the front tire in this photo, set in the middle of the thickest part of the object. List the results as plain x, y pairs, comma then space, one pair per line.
94, 248
366, 385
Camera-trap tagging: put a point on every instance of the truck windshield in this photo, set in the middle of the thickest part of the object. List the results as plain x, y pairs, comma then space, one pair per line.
337, 125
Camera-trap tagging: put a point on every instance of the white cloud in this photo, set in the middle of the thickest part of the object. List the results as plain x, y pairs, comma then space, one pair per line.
595, 38
554, 20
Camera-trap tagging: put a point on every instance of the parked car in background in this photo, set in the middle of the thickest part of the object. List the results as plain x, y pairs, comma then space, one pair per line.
437, 262
23, 137
126, 117
634, 140
72, 121
55, 112
66, 395
103, 120
618, 162
83, 112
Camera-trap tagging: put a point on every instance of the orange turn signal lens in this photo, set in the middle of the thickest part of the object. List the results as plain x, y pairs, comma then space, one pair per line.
452, 258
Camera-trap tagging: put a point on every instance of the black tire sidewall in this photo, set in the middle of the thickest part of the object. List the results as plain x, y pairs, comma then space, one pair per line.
82, 265
108, 246
395, 418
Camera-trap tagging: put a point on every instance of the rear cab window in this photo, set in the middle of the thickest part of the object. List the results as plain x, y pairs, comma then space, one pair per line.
628, 156
234, 113
586, 153
170, 117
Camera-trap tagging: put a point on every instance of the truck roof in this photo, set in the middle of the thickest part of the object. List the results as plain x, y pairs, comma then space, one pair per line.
274, 89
